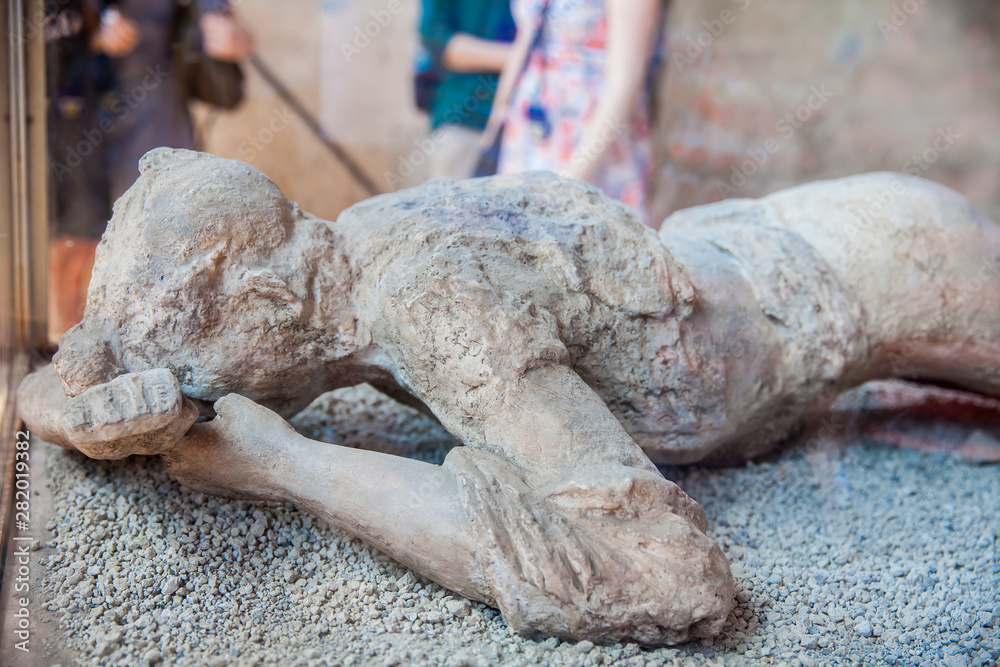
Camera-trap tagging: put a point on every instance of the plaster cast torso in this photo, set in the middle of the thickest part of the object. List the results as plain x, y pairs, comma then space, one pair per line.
484, 289
681, 344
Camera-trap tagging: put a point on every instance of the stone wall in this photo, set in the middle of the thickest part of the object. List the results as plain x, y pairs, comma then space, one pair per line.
758, 95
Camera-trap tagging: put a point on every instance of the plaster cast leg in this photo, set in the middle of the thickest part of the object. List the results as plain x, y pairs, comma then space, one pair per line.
922, 262
925, 264
870, 277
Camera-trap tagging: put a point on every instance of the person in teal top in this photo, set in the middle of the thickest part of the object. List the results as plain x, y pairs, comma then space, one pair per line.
468, 43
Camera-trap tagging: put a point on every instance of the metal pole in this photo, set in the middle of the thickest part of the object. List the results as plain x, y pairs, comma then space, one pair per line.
338, 151
16, 316
37, 252
19, 188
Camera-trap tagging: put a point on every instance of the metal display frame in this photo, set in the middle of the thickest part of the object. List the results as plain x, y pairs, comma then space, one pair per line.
23, 240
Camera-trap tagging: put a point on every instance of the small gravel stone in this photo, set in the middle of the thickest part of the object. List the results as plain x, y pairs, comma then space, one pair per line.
459, 608
817, 537
258, 528
170, 585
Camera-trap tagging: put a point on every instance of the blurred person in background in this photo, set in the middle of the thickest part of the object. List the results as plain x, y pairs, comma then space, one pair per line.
114, 97
151, 110
469, 42
574, 98
78, 81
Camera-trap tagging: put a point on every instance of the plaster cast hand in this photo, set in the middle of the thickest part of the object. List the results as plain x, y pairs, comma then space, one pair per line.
135, 413
232, 454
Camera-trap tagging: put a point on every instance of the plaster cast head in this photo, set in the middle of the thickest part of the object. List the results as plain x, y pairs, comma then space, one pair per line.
200, 272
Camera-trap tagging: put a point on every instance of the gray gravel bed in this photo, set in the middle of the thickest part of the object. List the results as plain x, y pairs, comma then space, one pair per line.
845, 554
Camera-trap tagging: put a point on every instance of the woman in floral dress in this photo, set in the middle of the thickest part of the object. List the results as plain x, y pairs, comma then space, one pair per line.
580, 105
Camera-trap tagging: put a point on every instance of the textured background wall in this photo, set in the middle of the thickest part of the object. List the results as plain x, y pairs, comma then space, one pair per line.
762, 94
350, 62
756, 95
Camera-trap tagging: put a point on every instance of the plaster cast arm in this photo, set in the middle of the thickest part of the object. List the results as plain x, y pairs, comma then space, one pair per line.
408, 509
564, 490
135, 413
399, 505
551, 423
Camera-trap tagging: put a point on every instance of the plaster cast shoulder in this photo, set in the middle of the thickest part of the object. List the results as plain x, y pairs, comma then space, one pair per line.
553, 554
526, 232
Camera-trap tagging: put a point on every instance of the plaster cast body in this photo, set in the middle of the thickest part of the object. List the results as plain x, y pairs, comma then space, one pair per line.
560, 340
